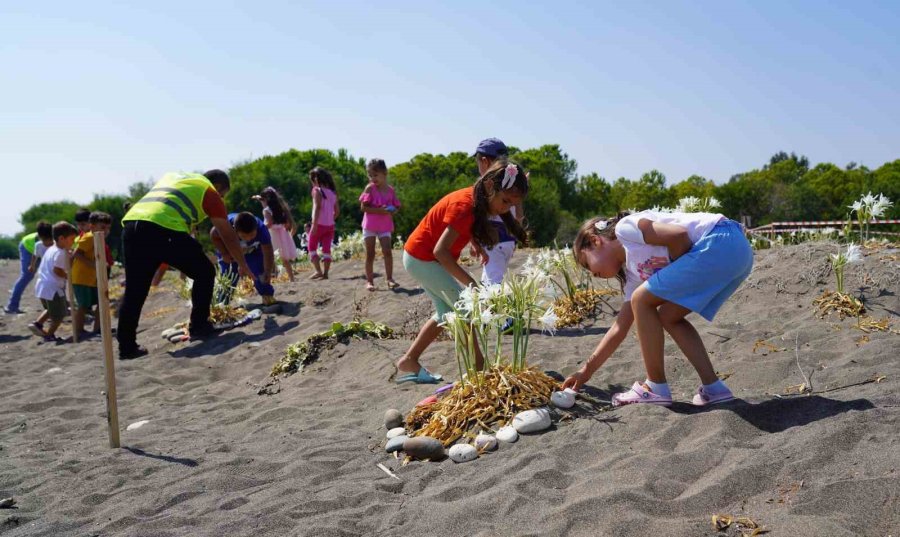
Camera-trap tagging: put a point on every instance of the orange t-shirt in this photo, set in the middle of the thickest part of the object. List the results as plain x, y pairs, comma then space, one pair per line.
455, 210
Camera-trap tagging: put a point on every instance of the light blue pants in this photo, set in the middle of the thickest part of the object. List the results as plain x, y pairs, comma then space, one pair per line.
439, 285
25, 277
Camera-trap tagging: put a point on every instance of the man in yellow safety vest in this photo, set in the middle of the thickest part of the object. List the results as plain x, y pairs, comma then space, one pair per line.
156, 230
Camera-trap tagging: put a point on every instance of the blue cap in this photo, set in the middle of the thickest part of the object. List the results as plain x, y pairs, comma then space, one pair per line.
492, 147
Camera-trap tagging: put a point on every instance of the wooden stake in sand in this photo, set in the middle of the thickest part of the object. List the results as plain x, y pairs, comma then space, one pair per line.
70, 296
112, 411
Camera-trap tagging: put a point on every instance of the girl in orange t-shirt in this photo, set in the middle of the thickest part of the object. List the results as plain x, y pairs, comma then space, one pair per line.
431, 252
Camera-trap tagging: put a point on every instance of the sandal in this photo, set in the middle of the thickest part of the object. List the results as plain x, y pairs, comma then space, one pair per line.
392, 284
370, 286
703, 398
422, 377
638, 394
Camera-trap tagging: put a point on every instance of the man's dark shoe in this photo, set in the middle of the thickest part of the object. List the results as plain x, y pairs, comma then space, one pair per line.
131, 354
202, 331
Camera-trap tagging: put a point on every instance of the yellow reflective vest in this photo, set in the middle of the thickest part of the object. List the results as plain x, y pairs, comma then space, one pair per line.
175, 202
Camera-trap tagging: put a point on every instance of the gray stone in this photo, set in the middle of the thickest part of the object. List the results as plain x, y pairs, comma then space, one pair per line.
424, 448
485, 442
393, 418
395, 432
396, 443
507, 434
532, 421
463, 453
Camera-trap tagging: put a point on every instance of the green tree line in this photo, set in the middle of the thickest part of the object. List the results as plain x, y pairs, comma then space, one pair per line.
784, 188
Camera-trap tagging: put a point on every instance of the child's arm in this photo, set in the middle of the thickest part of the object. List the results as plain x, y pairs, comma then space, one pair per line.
219, 245
674, 237
267, 215
268, 262
608, 345
445, 258
317, 208
35, 263
60, 272
337, 206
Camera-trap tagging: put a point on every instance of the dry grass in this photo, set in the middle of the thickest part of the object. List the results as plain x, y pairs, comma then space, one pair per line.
491, 403
841, 303
583, 304
221, 313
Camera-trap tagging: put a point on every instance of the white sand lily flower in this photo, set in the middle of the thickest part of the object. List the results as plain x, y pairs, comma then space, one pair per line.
449, 318
488, 317
548, 321
854, 254
713, 203
857, 206
881, 204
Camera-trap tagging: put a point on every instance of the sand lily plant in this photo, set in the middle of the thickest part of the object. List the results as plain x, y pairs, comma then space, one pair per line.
867, 208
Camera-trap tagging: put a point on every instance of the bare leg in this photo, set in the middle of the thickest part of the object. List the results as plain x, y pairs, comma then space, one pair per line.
409, 363
388, 258
644, 304
326, 264
289, 268
688, 340
78, 321
42, 318
54, 324
370, 260
316, 265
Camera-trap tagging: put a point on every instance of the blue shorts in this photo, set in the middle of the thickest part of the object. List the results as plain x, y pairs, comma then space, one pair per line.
703, 279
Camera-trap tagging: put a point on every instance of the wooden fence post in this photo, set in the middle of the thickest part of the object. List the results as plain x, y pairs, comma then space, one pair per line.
112, 411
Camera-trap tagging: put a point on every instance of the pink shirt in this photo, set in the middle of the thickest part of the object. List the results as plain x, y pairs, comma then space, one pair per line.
378, 223
326, 211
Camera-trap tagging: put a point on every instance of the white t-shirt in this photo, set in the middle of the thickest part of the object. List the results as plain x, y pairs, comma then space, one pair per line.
642, 259
39, 248
48, 283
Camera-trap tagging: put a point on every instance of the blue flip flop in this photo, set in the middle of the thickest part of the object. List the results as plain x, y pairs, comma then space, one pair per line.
422, 377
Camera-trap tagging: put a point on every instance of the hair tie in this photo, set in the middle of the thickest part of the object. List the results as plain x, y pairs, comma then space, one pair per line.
509, 176
601, 224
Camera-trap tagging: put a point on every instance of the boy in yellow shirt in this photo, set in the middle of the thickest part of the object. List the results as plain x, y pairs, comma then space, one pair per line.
84, 276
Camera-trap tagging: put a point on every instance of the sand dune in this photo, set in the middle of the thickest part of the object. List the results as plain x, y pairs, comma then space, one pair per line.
215, 458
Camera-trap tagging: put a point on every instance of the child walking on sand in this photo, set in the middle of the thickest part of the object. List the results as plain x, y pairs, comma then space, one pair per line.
325, 212
669, 264
379, 203
51, 280
431, 254
280, 223
31, 249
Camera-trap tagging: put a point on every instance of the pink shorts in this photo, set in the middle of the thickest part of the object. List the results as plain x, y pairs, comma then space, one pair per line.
325, 236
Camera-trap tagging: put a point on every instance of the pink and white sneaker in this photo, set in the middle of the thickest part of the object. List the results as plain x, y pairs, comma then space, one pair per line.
638, 394
703, 398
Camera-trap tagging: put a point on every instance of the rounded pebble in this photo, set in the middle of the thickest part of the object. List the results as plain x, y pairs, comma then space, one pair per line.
486, 442
395, 432
424, 448
392, 418
395, 444
532, 421
507, 434
463, 453
562, 399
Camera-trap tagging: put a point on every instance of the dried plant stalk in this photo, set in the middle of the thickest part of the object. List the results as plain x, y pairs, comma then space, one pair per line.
583, 303
841, 303
491, 402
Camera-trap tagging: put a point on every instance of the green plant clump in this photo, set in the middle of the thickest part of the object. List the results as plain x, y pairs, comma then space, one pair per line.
299, 355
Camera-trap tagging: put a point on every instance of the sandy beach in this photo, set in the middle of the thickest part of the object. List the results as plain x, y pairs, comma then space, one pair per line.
215, 458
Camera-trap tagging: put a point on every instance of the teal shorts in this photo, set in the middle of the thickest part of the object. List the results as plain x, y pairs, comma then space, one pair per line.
439, 285
85, 296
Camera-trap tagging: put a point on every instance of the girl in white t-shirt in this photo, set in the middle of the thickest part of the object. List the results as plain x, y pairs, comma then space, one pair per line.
669, 264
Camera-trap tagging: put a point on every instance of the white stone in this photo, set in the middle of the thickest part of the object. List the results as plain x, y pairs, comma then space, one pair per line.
137, 425
562, 399
463, 453
395, 444
169, 332
54, 370
507, 434
396, 431
532, 421
485, 442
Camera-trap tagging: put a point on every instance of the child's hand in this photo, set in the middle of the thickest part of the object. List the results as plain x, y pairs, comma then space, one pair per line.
390, 208
227, 259
576, 380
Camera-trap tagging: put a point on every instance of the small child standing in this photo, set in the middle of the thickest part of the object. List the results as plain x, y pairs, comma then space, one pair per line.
379, 203
31, 249
431, 254
51, 282
669, 264
277, 216
256, 244
84, 276
324, 213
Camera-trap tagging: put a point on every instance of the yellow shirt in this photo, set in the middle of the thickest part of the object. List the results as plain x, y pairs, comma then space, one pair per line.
84, 273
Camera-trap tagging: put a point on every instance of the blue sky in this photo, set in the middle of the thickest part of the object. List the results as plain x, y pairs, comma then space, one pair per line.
97, 95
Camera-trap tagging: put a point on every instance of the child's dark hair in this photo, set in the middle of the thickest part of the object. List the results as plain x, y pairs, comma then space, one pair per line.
592, 228
482, 230
63, 229
218, 178
44, 230
281, 213
376, 165
82, 215
321, 176
99, 217
245, 223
